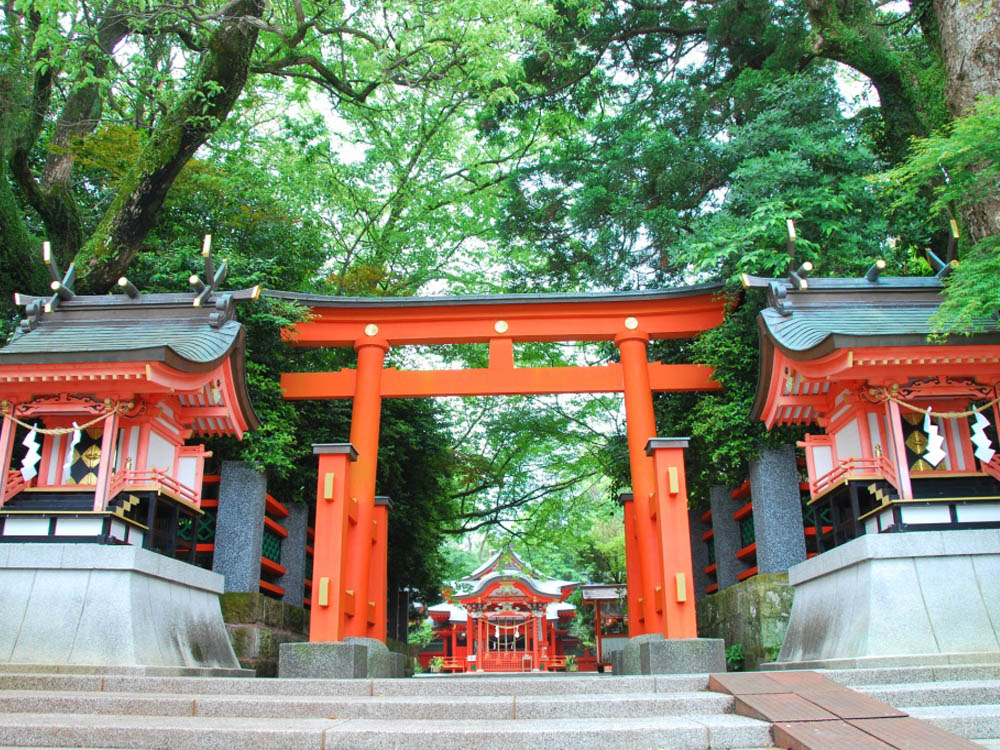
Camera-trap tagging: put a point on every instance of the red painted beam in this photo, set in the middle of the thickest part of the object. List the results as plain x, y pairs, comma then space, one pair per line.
681, 317
500, 381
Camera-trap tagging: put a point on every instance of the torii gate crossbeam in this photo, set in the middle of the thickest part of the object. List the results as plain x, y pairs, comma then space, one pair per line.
349, 579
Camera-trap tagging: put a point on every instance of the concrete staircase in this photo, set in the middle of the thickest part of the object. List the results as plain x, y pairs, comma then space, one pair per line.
534, 712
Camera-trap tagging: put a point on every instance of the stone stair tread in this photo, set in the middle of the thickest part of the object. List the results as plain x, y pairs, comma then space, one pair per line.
696, 732
454, 686
956, 692
677, 733
190, 732
969, 721
381, 707
903, 675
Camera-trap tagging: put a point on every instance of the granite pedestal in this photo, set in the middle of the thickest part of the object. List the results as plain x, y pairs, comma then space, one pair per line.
777, 510
654, 654
917, 598
293, 554
352, 658
725, 536
74, 607
239, 526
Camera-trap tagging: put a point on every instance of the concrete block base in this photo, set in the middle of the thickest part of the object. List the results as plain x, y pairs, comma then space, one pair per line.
922, 597
323, 660
654, 654
81, 606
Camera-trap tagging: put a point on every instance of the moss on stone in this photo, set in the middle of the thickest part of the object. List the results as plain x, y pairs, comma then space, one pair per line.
753, 613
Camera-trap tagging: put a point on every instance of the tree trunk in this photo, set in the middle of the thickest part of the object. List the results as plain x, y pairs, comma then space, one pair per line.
848, 31
222, 74
969, 37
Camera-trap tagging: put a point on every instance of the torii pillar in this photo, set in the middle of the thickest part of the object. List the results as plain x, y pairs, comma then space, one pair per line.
663, 598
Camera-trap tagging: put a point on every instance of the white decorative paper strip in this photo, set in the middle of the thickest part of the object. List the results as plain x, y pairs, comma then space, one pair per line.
70, 448
984, 451
935, 453
29, 464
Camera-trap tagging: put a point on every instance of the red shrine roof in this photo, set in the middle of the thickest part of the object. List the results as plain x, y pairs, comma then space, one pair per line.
187, 347
506, 577
819, 332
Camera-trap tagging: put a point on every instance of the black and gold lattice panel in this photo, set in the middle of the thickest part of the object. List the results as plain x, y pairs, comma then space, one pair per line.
86, 457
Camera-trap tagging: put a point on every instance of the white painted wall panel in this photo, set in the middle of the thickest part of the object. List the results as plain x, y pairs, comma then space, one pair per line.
848, 441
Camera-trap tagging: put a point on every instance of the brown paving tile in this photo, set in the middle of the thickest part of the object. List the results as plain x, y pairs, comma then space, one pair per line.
796, 681
913, 734
744, 683
847, 704
780, 707
824, 735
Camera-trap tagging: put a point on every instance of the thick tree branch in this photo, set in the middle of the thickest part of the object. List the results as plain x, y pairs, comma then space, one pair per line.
222, 74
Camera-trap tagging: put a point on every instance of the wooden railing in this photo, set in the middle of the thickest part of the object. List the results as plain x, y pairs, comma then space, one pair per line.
993, 467
13, 484
855, 468
156, 479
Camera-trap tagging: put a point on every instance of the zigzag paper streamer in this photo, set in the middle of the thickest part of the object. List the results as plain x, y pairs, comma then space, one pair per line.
29, 464
984, 451
69, 449
934, 455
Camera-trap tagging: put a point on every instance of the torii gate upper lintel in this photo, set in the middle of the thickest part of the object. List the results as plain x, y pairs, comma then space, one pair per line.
349, 581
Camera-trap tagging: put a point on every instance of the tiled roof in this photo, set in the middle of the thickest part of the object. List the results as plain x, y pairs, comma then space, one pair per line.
834, 314
159, 328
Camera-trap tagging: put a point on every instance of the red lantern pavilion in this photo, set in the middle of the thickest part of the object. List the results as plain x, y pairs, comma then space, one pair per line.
503, 617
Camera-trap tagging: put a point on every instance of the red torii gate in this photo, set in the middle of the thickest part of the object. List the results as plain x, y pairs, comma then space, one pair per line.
349, 563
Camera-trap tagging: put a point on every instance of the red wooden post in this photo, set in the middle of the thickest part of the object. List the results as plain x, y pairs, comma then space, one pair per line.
327, 616
674, 536
365, 421
899, 451
105, 470
597, 629
633, 571
6, 451
641, 427
378, 580
470, 639
536, 636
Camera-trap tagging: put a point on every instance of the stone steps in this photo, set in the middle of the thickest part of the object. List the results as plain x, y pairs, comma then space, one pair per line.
445, 707
545, 712
694, 732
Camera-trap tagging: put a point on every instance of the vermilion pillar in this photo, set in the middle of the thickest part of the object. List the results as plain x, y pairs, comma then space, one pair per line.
378, 579
365, 419
536, 637
6, 451
633, 572
105, 469
674, 536
641, 427
470, 639
327, 615
899, 450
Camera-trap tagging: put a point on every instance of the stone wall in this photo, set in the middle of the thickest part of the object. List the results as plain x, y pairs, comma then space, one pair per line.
258, 625
753, 613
